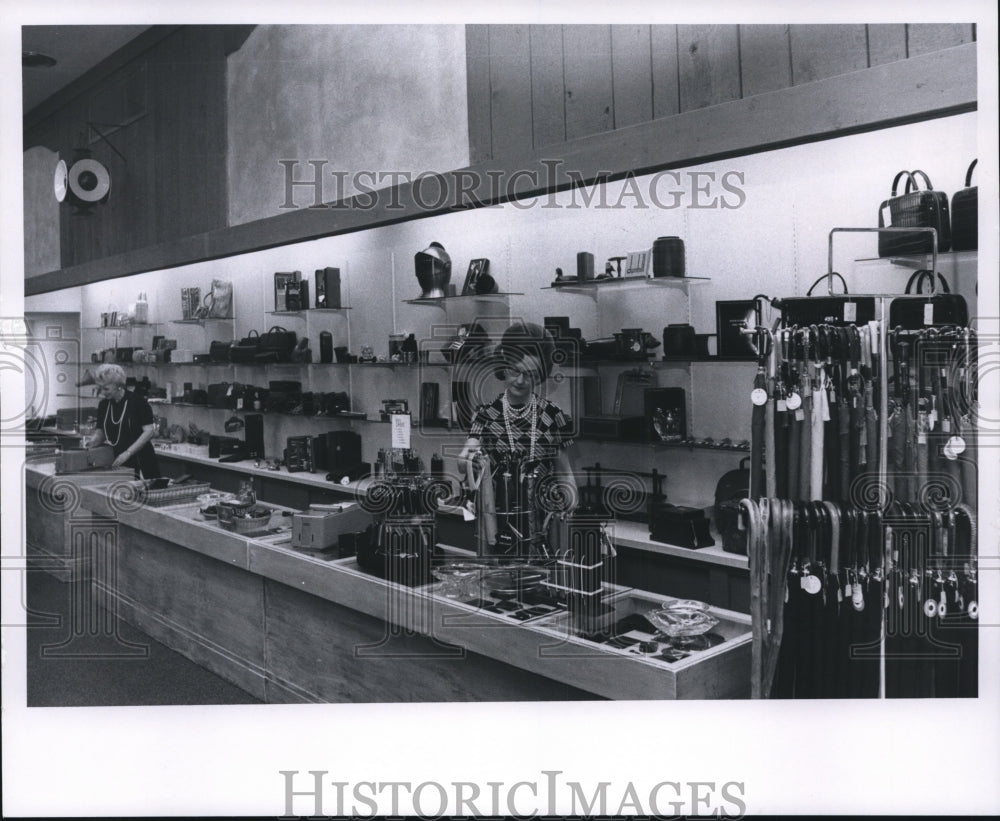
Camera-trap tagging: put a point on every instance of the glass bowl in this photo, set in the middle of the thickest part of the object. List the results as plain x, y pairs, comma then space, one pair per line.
513, 582
458, 580
683, 621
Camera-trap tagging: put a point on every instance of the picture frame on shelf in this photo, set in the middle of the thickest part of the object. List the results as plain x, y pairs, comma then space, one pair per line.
477, 268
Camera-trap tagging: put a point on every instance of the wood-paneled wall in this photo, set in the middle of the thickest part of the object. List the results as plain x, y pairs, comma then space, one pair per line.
535, 86
170, 180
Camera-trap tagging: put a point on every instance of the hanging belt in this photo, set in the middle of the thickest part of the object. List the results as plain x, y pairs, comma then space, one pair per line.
820, 416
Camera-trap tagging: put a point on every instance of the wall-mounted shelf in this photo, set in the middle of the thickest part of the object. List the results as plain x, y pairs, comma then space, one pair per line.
919, 261
687, 360
443, 301
130, 327
686, 445
304, 314
263, 365
201, 322
592, 288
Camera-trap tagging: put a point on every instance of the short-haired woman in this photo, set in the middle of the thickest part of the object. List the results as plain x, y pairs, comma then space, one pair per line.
125, 421
519, 430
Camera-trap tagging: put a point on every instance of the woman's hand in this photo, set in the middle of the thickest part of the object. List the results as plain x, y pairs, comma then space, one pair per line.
121, 459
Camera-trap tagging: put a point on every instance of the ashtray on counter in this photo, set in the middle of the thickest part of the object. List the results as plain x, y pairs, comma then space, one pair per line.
458, 580
684, 624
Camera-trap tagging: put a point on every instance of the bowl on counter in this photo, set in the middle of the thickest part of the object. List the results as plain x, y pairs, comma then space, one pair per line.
684, 623
513, 582
458, 580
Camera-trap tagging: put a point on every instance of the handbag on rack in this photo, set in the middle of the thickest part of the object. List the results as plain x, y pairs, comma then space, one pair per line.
965, 215
276, 345
938, 308
914, 208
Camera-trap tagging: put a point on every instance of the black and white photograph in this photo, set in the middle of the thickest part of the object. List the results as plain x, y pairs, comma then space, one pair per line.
565, 410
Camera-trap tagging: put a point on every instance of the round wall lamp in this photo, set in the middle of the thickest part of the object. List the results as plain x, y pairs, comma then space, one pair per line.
60, 182
85, 183
89, 181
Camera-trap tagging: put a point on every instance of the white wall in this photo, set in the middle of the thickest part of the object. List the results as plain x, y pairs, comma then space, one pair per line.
775, 243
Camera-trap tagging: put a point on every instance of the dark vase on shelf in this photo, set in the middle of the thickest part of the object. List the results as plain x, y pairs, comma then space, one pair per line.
668, 257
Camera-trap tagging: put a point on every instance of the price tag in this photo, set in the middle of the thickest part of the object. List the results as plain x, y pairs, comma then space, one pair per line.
400, 424
956, 445
758, 396
929, 313
850, 312
782, 405
799, 415
794, 401
811, 584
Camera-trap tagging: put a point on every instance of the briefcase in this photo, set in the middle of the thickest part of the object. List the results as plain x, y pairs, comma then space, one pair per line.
680, 526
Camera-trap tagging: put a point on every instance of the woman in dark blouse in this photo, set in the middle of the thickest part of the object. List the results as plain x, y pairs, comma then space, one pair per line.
125, 421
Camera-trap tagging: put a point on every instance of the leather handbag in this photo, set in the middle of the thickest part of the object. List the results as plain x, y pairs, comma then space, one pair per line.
914, 208
276, 345
218, 351
939, 308
217, 394
335, 402
965, 215
246, 349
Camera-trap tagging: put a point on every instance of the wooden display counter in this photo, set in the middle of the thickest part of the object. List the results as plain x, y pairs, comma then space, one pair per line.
709, 573
287, 626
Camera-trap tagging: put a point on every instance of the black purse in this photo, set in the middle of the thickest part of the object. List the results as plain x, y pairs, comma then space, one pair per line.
218, 351
939, 308
276, 345
965, 215
246, 349
915, 208
334, 403
218, 394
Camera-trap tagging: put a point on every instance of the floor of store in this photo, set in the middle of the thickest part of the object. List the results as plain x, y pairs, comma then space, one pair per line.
107, 662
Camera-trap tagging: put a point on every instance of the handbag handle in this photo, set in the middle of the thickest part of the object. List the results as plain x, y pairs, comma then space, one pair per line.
898, 177
830, 275
925, 275
968, 174
277, 328
253, 332
913, 177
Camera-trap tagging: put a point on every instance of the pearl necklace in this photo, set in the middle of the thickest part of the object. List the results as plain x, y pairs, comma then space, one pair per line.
117, 422
529, 407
